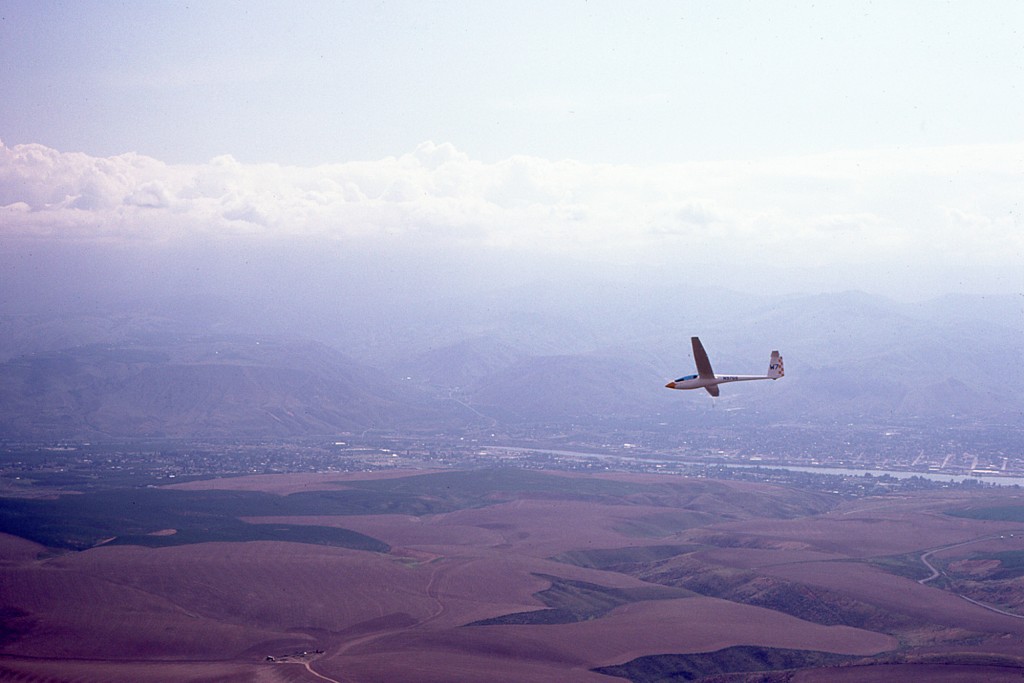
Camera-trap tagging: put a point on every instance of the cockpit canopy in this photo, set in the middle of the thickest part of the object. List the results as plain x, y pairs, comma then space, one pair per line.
688, 377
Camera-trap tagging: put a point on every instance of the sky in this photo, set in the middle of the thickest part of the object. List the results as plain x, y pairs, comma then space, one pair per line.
768, 146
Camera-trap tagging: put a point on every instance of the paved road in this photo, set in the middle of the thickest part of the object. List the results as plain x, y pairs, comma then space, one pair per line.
935, 573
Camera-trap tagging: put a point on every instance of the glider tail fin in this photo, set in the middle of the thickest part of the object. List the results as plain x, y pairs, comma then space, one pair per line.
775, 369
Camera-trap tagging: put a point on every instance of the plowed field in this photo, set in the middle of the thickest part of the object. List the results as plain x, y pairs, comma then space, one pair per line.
508, 575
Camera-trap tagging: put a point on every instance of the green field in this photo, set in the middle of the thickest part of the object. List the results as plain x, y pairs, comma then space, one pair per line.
731, 660
908, 565
130, 515
610, 558
1001, 513
573, 601
1011, 563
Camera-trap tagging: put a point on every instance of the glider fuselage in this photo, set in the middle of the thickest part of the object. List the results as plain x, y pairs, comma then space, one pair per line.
707, 379
695, 382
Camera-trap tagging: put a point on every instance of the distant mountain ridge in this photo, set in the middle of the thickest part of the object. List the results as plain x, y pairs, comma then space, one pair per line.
202, 387
849, 356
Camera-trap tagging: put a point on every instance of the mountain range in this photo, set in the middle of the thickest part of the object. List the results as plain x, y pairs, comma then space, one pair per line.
583, 353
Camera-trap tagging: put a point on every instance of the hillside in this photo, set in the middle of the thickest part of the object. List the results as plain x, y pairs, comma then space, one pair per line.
539, 575
206, 387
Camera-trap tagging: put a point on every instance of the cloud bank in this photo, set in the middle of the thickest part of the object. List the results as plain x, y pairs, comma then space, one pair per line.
871, 214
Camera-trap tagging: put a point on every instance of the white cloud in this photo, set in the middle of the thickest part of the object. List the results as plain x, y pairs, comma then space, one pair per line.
152, 194
918, 207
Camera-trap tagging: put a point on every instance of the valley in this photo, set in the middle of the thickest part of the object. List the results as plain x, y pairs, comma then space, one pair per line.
539, 574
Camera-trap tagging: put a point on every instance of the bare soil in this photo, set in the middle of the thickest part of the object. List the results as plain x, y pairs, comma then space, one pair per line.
246, 610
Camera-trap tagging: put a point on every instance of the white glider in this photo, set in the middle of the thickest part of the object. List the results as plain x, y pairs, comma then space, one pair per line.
707, 378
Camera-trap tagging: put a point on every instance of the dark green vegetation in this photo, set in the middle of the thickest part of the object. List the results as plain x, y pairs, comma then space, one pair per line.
1011, 564
663, 524
573, 601
689, 667
687, 568
14, 623
1000, 513
132, 515
476, 488
610, 558
908, 565
687, 502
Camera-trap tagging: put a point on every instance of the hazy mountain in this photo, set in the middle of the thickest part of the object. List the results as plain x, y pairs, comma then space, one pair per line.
139, 348
581, 388
461, 365
205, 387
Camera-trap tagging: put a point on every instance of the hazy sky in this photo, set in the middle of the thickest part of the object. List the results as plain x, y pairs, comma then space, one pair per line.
862, 145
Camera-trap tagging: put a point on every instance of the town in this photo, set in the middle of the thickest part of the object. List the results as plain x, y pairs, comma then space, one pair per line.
848, 459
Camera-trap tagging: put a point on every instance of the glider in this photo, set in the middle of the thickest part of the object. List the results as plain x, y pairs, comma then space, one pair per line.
707, 378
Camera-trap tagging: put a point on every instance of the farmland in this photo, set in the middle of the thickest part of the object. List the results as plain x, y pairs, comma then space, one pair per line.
508, 574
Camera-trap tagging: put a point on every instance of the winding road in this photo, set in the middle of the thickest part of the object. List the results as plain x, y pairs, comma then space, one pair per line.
935, 573
442, 569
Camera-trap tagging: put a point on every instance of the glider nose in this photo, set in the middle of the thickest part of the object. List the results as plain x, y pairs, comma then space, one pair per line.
670, 385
